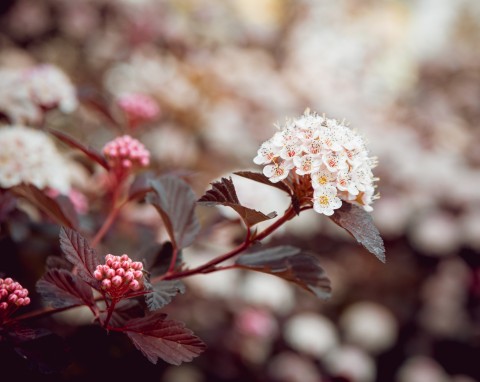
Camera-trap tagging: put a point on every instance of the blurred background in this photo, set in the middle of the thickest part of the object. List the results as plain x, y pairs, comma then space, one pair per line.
405, 73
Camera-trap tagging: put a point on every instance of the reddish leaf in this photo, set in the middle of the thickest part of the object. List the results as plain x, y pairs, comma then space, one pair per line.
175, 201
162, 293
292, 265
125, 311
58, 209
78, 252
88, 151
259, 177
61, 288
360, 225
223, 193
169, 340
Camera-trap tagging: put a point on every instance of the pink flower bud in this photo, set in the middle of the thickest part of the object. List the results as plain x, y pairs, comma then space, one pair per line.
129, 276
106, 284
138, 274
26, 301
12, 298
3, 305
8, 281
124, 257
98, 275
117, 281
134, 285
116, 265
19, 302
110, 273
120, 272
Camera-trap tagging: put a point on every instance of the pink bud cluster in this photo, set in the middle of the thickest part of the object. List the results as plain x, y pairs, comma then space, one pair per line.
12, 296
119, 275
138, 108
125, 153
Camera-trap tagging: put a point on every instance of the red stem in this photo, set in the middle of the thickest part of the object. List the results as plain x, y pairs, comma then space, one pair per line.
210, 266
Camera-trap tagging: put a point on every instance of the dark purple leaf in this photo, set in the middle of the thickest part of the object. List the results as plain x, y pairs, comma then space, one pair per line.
175, 201
78, 252
88, 151
169, 340
56, 208
141, 186
290, 264
20, 333
223, 193
157, 258
259, 177
57, 262
162, 293
125, 311
61, 288
360, 225
7, 204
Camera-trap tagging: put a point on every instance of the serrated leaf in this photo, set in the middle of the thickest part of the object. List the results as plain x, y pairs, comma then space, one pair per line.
259, 177
59, 209
291, 264
162, 293
61, 288
169, 340
223, 193
78, 252
360, 225
88, 151
175, 200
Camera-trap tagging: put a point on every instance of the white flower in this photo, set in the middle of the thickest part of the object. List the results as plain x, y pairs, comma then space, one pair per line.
329, 154
30, 156
277, 172
27, 92
325, 200
49, 87
322, 177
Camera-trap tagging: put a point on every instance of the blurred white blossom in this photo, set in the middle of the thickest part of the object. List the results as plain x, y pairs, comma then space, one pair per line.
29, 156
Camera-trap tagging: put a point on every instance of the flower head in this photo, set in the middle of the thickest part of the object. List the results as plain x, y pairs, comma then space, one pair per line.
125, 153
138, 108
30, 156
119, 275
12, 296
28, 93
327, 154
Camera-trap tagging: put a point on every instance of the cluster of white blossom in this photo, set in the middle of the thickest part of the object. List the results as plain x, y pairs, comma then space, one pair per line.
27, 93
30, 156
330, 153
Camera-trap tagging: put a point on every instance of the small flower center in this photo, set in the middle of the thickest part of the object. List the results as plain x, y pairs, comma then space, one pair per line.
323, 200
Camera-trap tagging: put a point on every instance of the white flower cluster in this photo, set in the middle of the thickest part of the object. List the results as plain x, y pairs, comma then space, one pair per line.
30, 156
330, 153
26, 93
